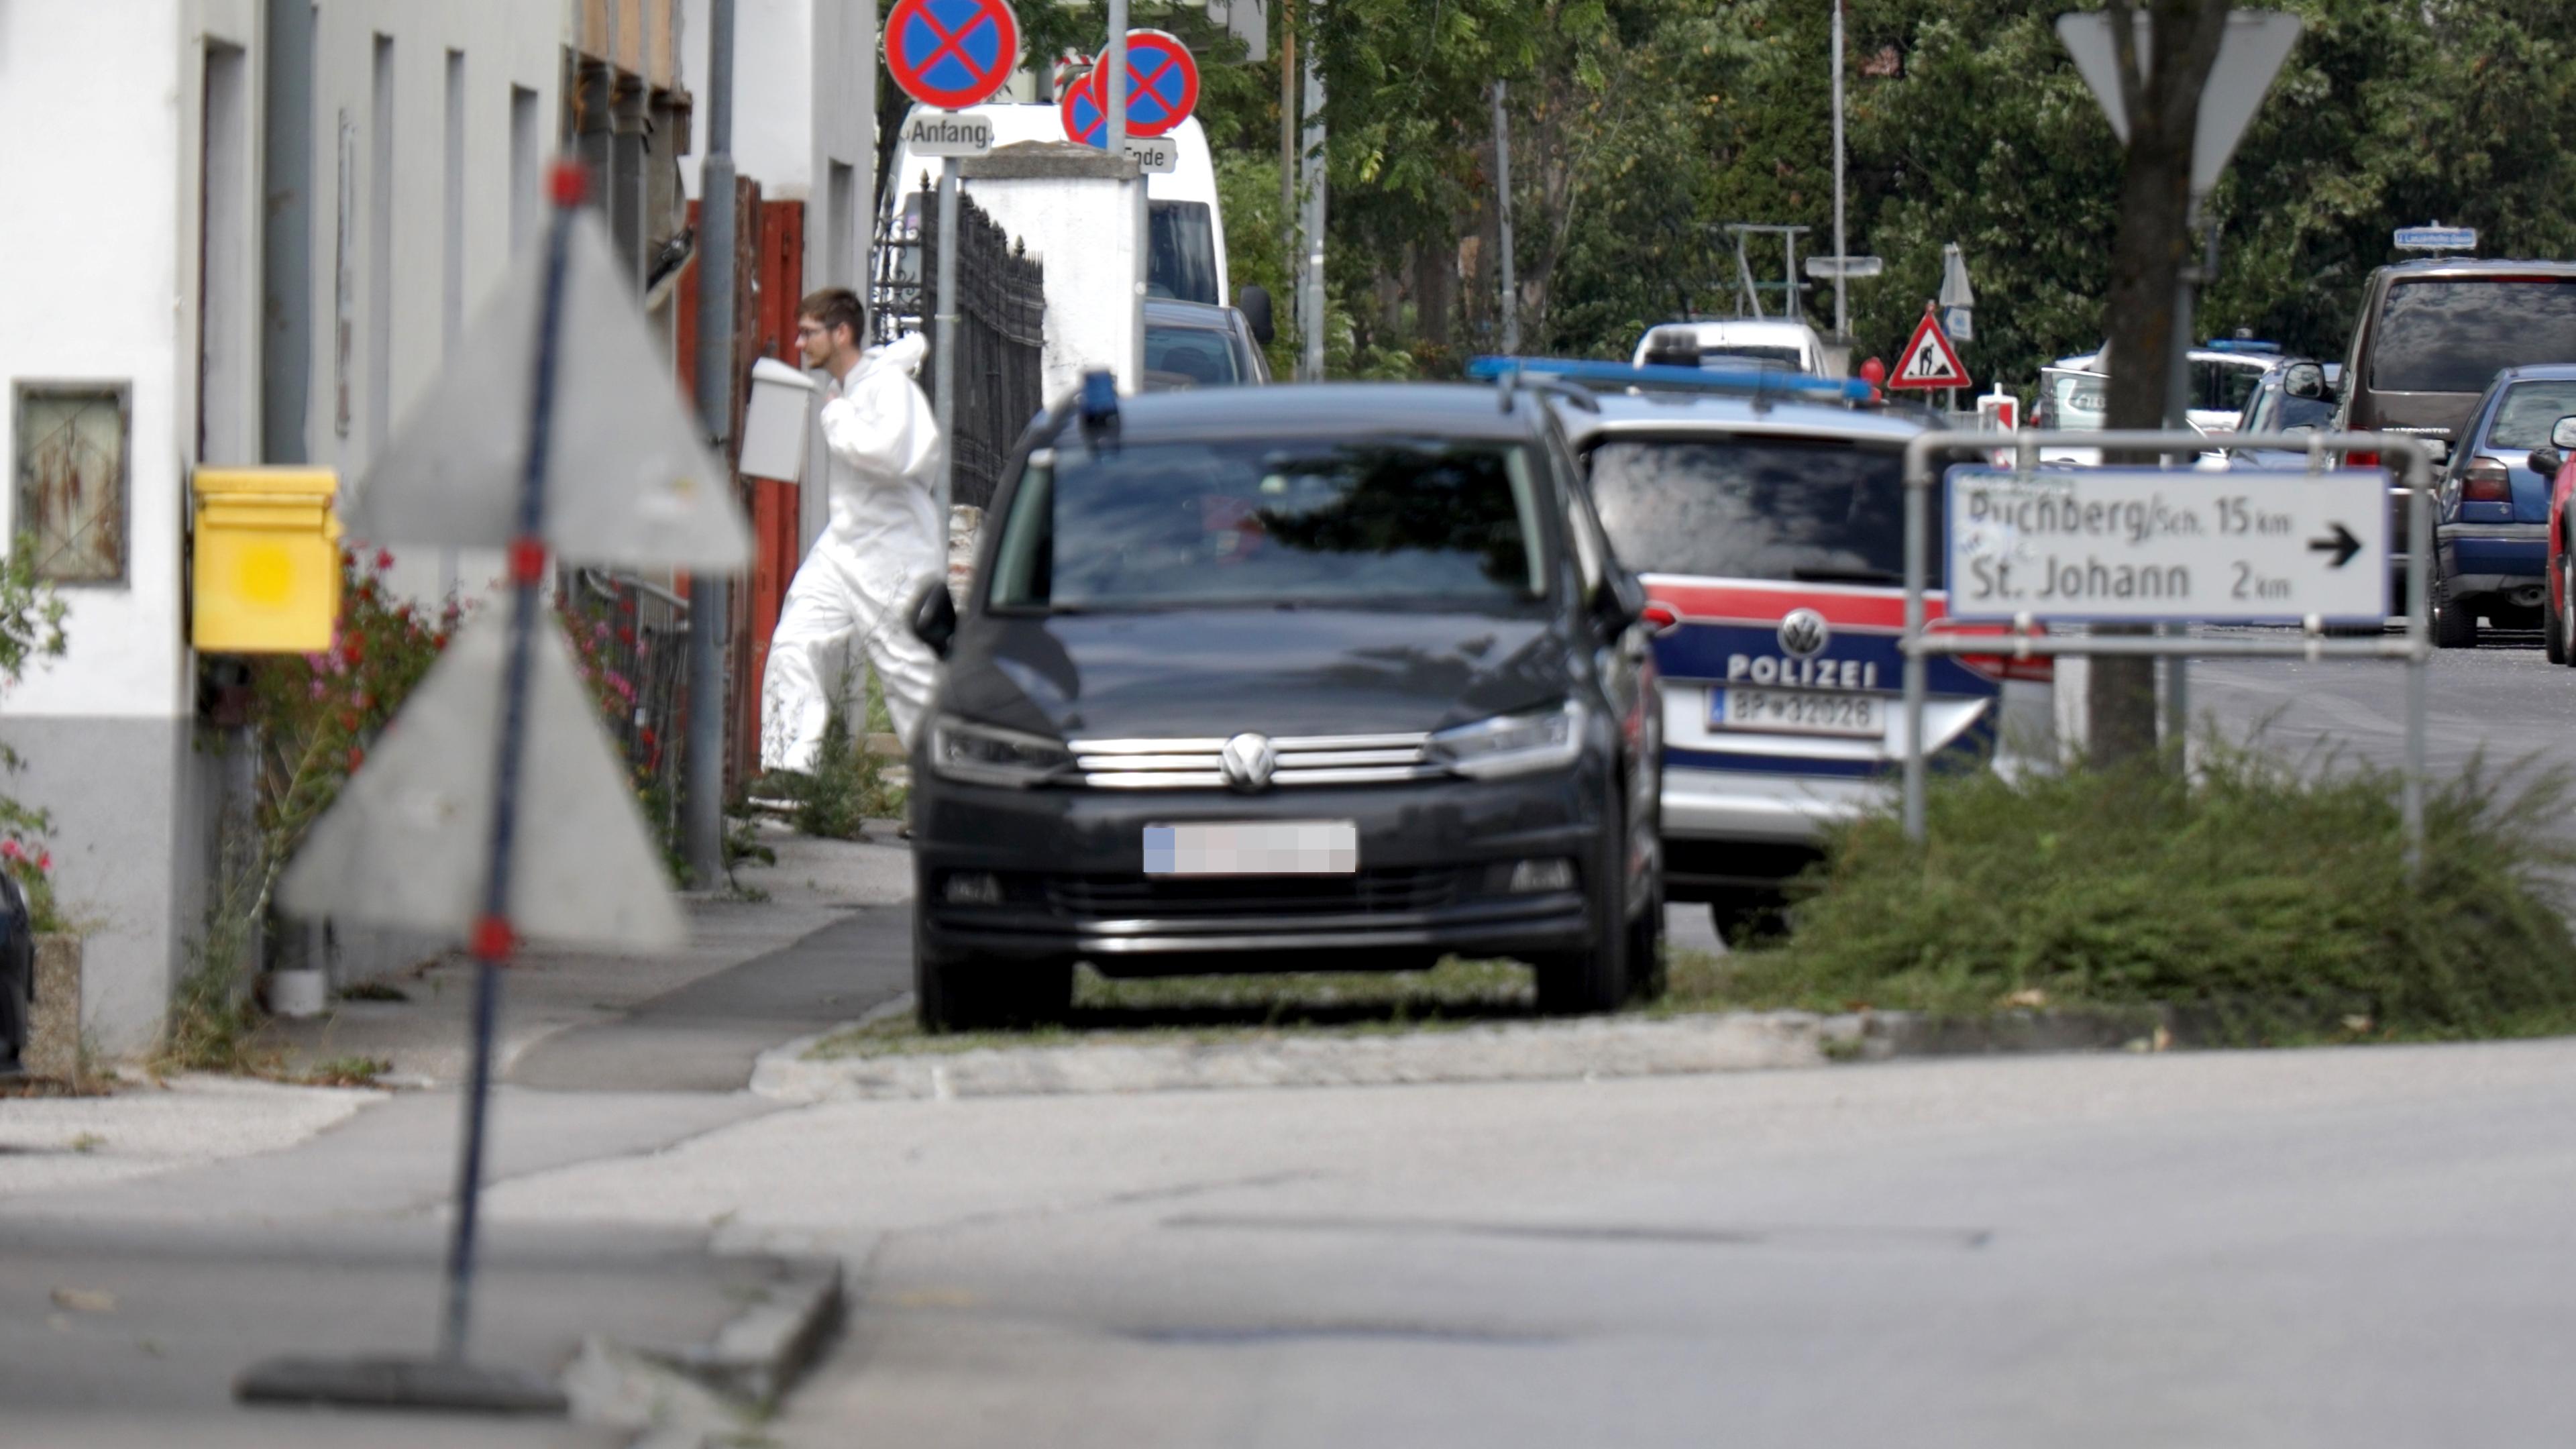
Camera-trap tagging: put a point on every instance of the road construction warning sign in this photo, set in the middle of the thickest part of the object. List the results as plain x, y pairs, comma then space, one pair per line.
1929, 360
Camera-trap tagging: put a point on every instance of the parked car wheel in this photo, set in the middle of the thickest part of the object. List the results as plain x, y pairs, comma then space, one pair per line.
1584, 982
957, 993
2455, 622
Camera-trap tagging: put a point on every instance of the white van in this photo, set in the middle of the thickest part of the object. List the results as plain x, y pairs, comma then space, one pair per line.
1187, 225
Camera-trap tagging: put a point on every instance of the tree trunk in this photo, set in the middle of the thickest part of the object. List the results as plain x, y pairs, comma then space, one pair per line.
1435, 289
2146, 267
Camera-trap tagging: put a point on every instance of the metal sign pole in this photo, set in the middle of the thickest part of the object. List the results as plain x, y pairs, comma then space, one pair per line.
944, 371
493, 939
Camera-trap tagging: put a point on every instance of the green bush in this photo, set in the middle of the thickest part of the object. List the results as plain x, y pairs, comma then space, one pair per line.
2273, 895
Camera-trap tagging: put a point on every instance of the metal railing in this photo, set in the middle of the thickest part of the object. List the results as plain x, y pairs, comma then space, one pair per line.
2024, 640
636, 634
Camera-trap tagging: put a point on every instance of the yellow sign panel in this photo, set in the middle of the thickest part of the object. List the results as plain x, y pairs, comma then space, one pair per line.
267, 560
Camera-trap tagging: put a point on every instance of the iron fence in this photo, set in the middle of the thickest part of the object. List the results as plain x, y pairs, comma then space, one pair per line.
1001, 334
633, 640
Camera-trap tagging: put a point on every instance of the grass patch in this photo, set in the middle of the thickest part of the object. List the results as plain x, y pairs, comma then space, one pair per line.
345, 1072
848, 786
2270, 896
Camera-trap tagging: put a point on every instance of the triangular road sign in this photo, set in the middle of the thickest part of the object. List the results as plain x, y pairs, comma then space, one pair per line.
1929, 360
629, 479
409, 840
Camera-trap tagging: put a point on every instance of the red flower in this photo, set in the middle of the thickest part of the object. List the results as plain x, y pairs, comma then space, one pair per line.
384, 558
10, 850
353, 648
45, 862
357, 757
349, 720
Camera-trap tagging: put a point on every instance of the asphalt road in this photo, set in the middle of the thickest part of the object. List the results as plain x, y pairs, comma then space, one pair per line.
2505, 701
2351, 1247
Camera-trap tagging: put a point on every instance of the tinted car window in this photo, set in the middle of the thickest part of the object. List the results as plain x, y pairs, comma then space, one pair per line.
1820, 511
1747, 355
2529, 411
1181, 262
1273, 521
2223, 386
1189, 357
2454, 336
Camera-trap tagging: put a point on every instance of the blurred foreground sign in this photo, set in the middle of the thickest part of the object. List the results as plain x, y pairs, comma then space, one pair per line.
630, 479
2167, 545
408, 843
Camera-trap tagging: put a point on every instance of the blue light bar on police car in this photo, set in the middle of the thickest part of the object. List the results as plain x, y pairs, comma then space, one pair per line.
1658, 375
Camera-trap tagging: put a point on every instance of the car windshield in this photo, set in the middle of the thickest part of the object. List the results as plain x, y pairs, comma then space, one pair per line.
1177, 357
1181, 252
1272, 521
1746, 354
1815, 511
2223, 386
2455, 336
2529, 411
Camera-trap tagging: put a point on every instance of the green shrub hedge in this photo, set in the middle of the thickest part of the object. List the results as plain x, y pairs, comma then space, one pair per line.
2273, 893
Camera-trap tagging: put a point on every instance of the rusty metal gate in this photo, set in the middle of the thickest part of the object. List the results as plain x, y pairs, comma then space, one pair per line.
1001, 329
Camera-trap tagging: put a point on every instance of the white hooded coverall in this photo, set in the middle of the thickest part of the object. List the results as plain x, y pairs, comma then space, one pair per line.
882, 452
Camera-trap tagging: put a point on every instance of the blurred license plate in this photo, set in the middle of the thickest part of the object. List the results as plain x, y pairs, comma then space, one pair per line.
1268, 847
1799, 712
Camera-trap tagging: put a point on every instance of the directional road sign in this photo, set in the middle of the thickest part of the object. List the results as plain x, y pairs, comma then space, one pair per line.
1929, 360
2167, 545
951, 54
2250, 54
1162, 82
1828, 268
1154, 153
2437, 238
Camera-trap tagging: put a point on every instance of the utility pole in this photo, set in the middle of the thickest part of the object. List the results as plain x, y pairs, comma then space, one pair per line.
1503, 213
702, 792
1114, 96
1842, 303
1287, 143
1314, 161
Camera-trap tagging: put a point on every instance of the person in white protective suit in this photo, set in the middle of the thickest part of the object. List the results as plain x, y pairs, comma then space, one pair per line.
882, 453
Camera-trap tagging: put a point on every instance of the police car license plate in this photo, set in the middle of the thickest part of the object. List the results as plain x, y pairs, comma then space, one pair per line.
1267, 847
1799, 712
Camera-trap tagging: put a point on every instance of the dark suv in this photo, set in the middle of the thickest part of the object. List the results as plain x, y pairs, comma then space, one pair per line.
1338, 677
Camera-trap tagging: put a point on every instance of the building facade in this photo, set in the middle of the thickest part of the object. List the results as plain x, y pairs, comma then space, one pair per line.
250, 232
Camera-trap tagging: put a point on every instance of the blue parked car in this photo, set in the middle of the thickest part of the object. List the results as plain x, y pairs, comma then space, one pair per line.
2491, 531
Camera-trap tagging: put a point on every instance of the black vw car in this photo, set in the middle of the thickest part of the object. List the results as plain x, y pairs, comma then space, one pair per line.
1317, 678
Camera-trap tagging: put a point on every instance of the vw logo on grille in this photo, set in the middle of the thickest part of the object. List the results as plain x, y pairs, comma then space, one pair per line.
1803, 634
1249, 759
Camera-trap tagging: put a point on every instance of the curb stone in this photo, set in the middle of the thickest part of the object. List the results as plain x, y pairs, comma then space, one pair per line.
1593, 1048
710, 1393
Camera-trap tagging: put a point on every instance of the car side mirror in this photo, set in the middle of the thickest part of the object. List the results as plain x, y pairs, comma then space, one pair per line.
2562, 436
2546, 460
934, 617
2309, 383
1254, 303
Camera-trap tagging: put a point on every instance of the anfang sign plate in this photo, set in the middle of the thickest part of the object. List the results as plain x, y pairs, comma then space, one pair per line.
2167, 546
947, 133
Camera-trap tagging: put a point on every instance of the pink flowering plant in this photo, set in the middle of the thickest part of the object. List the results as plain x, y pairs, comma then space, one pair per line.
31, 631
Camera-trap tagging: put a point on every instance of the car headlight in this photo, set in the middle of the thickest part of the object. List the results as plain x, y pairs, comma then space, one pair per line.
1512, 744
983, 755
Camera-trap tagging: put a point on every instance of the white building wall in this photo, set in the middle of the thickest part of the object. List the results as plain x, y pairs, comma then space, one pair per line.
804, 102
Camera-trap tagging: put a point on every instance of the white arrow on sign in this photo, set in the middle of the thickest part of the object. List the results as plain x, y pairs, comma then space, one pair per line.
631, 482
2167, 545
408, 843
2249, 55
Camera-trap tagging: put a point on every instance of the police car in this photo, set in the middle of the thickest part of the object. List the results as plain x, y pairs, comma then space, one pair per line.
1766, 521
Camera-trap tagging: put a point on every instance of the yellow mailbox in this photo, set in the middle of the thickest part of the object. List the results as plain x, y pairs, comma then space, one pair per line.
267, 560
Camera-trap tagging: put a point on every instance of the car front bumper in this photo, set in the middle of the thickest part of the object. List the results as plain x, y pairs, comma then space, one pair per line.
1435, 860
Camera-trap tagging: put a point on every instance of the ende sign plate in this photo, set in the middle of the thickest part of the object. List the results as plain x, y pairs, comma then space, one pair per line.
2156, 545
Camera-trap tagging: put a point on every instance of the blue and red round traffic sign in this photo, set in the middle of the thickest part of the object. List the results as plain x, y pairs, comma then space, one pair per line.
1162, 90
951, 54
1162, 82
1086, 115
